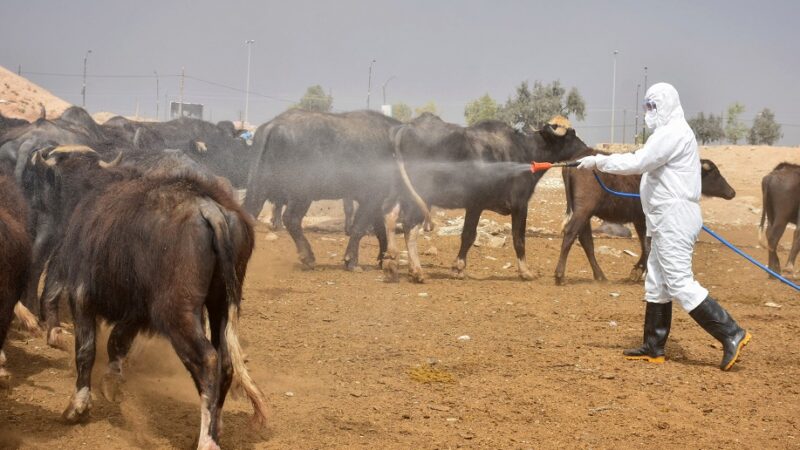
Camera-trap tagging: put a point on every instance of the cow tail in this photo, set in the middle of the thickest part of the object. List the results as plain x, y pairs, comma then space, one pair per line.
566, 176
398, 157
226, 263
762, 238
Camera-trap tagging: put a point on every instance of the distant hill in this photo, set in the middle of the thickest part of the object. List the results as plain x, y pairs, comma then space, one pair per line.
20, 98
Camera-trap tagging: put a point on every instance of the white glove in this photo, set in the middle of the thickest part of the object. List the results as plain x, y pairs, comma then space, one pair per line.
587, 162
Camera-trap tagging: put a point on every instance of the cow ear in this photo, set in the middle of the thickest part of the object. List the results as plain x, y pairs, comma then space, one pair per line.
706, 167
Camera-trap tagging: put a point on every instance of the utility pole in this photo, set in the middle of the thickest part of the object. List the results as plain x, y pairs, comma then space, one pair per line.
180, 105
384, 87
369, 82
644, 124
83, 90
249, 44
613, 94
156, 72
636, 108
624, 130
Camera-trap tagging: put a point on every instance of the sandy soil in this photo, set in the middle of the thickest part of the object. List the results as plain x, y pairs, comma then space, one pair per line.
348, 361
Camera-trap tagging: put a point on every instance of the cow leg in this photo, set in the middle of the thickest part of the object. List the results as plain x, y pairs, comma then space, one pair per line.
468, 235
571, 229
519, 219
793, 252
42, 248
587, 242
277, 211
380, 233
187, 335
293, 218
85, 328
364, 214
390, 256
51, 297
774, 232
641, 266
411, 232
7, 302
349, 207
119, 344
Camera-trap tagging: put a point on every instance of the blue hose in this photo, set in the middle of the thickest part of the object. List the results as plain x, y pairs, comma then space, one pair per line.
713, 234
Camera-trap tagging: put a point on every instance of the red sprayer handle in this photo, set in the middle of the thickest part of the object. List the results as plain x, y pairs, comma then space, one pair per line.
540, 166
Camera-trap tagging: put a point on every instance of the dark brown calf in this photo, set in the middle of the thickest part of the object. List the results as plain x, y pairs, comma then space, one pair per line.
585, 199
15, 256
153, 255
780, 190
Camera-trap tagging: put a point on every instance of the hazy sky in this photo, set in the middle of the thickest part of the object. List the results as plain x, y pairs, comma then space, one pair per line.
714, 52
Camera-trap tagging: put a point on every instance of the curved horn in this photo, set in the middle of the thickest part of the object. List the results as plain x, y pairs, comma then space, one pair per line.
72, 149
37, 158
114, 163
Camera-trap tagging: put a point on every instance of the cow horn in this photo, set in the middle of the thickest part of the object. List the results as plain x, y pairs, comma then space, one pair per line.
72, 149
37, 158
114, 163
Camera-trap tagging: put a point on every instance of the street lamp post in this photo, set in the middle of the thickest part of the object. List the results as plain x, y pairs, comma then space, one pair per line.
636, 106
83, 90
644, 124
157, 102
249, 44
613, 94
369, 82
384, 87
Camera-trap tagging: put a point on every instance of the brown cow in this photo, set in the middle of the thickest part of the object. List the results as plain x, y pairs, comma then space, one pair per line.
152, 255
585, 199
15, 256
780, 190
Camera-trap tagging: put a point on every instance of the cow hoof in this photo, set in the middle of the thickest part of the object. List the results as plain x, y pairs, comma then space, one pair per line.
309, 263
417, 277
207, 443
5, 378
29, 321
390, 271
356, 269
57, 337
109, 387
526, 275
561, 281
636, 275
79, 405
459, 274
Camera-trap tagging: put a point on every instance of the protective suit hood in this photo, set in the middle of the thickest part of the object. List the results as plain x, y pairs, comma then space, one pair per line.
668, 104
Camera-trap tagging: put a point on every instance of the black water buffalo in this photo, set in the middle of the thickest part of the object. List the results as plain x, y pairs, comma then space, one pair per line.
148, 255
15, 256
586, 199
780, 191
303, 156
482, 167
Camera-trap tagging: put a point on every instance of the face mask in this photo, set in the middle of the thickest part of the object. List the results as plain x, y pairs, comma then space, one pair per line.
651, 118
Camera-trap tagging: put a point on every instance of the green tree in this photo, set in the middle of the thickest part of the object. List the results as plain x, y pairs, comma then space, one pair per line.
538, 105
315, 99
765, 129
483, 108
401, 112
735, 130
429, 107
707, 128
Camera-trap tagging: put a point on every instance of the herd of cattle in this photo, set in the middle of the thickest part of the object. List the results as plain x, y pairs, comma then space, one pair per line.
138, 223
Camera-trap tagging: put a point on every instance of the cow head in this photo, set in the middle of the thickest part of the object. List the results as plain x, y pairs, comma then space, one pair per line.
714, 184
561, 142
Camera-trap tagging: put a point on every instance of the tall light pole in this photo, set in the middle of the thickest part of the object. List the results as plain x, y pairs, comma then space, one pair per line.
249, 44
613, 94
384, 87
83, 90
157, 102
644, 124
369, 82
636, 106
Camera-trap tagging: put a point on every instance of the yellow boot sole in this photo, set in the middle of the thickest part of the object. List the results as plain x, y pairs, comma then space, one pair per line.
650, 359
744, 342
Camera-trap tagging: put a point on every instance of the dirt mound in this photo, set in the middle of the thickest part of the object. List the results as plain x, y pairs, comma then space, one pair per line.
20, 98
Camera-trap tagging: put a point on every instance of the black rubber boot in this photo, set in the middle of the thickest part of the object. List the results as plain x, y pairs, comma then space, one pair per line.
657, 321
718, 323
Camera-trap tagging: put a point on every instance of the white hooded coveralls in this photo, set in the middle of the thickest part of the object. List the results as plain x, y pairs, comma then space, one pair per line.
670, 192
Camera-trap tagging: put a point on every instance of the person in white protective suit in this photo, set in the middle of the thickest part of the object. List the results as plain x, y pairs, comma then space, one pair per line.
670, 192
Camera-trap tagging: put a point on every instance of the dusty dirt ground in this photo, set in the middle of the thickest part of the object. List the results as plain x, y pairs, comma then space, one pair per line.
348, 361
